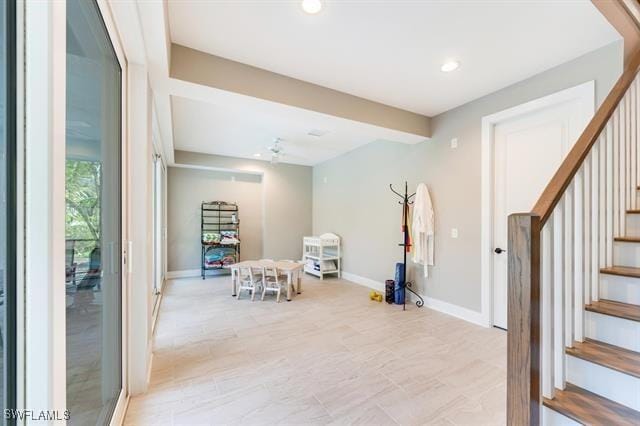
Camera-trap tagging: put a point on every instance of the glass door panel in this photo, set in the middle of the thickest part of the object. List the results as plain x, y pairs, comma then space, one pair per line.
7, 212
93, 217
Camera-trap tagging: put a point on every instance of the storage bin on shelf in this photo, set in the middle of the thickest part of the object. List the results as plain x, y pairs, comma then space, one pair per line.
219, 237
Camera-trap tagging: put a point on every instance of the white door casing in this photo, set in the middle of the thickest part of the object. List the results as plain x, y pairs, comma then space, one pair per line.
522, 147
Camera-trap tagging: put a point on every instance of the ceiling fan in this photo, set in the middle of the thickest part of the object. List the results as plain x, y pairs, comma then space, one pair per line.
277, 151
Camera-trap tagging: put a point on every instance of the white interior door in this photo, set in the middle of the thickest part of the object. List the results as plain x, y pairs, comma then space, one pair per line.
528, 149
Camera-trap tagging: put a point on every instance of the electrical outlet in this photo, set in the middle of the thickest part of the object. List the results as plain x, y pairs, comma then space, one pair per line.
454, 232
454, 143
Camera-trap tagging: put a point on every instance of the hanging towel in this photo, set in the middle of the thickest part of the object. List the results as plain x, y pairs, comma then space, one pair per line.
423, 228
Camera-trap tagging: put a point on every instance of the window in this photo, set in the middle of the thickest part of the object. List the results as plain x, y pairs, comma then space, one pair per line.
93, 284
7, 207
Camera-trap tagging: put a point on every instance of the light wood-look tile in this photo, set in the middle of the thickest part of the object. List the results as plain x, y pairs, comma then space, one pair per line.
331, 356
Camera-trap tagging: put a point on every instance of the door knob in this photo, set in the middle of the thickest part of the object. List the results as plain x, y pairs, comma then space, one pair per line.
498, 250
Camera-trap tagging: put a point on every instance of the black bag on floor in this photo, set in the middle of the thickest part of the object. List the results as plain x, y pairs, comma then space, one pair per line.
389, 290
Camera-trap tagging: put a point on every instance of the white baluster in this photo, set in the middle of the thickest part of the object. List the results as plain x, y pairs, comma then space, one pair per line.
578, 256
595, 219
626, 156
547, 311
636, 181
636, 140
608, 208
568, 266
616, 174
558, 296
587, 243
632, 147
622, 208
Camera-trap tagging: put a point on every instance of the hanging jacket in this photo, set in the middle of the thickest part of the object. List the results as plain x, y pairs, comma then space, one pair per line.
423, 228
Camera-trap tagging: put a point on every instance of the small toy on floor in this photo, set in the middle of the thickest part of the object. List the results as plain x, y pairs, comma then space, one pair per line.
374, 295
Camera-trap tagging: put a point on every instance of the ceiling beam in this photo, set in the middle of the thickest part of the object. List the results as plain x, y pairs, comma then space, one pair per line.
155, 29
213, 71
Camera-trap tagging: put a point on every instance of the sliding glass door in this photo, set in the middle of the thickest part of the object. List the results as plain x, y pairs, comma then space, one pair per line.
158, 227
7, 210
93, 217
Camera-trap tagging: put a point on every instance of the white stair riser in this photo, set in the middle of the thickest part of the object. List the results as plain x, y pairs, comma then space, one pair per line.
615, 331
633, 225
553, 418
620, 289
626, 254
619, 387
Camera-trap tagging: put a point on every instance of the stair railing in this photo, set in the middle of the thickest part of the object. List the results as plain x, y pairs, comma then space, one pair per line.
556, 251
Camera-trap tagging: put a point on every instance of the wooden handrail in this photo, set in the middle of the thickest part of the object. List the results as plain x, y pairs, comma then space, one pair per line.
632, 9
571, 164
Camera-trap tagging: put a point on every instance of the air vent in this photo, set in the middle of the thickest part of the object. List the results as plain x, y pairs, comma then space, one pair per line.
317, 133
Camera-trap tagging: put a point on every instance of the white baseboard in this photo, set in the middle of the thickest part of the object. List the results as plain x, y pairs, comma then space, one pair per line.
187, 273
150, 367
367, 282
455, 311
156, 312
435, 304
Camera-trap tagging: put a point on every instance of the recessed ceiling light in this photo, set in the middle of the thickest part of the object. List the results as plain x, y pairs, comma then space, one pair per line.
450, 66
311, 6
257, 154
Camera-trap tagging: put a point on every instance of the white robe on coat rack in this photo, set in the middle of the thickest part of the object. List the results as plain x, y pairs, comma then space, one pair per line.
422, 228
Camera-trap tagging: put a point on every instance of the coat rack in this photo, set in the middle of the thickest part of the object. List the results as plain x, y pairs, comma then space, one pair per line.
406, 244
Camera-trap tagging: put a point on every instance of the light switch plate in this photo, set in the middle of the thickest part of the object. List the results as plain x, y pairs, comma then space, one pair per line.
324, 179
454, 232
454, 143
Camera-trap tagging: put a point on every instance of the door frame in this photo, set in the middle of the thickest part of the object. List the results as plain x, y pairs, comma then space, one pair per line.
585, 94
158, 159
118, 413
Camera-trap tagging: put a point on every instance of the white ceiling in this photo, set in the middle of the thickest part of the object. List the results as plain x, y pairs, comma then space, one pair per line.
391, 51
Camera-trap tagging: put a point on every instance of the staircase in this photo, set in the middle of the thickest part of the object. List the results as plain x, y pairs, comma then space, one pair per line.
574, 279
603, 370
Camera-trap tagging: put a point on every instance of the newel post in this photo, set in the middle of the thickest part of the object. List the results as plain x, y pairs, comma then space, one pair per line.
523, 316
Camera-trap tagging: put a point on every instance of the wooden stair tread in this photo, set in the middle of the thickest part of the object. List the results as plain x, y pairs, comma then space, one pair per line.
590, 409
633, 211
623, 271
615, 309
610, 356
628, 239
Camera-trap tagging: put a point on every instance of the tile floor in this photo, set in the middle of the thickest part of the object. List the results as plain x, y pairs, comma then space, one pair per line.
86, 358
330, 356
